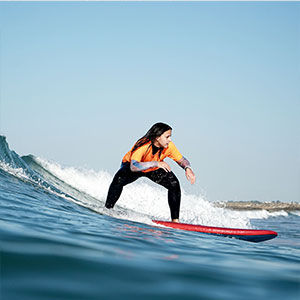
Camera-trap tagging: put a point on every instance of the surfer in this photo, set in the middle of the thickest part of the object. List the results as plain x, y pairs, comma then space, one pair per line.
146, 159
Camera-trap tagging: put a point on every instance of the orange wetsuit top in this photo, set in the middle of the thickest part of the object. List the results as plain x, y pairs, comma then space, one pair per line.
145, 154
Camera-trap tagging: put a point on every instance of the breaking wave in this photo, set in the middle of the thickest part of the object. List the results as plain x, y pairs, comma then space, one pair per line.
140, 201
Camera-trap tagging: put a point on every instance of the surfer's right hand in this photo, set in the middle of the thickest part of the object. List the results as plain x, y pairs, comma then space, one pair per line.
190, 176
164, 165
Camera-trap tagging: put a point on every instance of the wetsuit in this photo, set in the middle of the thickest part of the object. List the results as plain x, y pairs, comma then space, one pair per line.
145, 160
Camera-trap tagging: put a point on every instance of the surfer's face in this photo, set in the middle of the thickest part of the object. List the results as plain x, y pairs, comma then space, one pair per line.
164, 139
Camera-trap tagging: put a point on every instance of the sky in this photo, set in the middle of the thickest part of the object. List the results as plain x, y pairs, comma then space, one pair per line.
80, 82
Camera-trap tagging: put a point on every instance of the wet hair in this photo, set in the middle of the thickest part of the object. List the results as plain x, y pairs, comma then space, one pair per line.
155, 131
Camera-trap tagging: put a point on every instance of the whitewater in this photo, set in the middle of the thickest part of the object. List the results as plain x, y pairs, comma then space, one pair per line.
58, 241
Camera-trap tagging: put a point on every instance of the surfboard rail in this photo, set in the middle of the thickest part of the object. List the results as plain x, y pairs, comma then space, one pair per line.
250, 235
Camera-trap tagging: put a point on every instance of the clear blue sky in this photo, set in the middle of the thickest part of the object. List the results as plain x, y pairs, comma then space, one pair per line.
81, 82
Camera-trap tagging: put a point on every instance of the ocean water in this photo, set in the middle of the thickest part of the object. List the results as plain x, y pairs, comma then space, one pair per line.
57, 241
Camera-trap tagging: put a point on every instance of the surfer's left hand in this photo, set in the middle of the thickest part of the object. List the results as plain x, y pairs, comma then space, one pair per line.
190, 176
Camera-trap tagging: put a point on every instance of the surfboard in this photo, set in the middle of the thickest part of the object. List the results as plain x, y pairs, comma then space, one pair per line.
250, 235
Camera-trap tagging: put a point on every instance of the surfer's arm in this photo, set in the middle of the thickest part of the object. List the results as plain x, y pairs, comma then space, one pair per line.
184, 163
137, 166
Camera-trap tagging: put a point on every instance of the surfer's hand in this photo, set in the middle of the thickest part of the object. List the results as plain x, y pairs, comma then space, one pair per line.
190, 176
164, 165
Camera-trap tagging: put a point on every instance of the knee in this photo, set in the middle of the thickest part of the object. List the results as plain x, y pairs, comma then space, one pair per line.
174, 182
118, 181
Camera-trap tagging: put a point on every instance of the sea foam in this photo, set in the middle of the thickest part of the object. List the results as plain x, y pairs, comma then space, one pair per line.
143, 201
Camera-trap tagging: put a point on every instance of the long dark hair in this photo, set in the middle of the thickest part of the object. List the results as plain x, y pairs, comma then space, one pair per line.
155, 131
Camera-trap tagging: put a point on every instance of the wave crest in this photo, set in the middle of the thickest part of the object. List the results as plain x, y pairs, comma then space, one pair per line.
141, 201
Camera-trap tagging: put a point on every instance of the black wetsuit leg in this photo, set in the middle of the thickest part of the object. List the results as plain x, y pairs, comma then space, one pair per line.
123, 176
167, 179
170, 182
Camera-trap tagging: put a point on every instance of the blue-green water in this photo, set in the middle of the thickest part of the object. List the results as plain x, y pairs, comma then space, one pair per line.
58, 242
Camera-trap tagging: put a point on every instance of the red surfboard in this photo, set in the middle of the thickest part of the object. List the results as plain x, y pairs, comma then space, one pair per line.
250, 235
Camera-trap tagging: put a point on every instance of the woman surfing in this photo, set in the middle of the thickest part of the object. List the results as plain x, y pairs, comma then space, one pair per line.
146, 159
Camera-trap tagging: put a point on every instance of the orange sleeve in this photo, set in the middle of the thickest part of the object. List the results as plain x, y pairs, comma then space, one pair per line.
173, 152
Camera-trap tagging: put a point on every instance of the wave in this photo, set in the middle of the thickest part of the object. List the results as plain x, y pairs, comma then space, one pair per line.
11, 163
140, 201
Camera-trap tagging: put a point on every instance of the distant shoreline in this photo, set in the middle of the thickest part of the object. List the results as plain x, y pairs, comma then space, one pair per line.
255, 205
